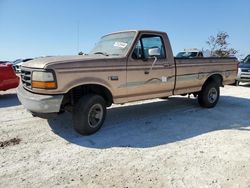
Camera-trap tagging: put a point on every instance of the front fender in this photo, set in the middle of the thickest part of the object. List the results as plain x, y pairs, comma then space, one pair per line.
88, 81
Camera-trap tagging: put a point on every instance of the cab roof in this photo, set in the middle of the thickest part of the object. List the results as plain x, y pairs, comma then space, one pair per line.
137, 31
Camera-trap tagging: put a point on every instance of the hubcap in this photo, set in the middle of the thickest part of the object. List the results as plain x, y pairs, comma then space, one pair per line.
212, 95
95, 115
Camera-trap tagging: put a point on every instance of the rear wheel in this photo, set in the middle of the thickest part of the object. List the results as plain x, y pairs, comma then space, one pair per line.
209, 95
89, 114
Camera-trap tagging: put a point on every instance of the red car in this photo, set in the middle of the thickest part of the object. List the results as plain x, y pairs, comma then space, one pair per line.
8, 77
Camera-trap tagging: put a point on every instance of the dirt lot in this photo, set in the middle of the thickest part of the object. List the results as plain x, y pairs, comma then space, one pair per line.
158, 143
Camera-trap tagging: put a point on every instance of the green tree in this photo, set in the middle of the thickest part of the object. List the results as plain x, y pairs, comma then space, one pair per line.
219, 46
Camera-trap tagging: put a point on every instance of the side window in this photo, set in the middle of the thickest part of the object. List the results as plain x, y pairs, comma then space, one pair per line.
145, 43
152, 42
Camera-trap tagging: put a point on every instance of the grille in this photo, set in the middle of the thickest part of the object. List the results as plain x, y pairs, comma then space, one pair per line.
246, 78
245, 70
245, 74
26, 78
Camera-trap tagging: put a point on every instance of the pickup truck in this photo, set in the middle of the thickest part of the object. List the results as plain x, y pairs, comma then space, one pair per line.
190, 53
8, 77
123, 67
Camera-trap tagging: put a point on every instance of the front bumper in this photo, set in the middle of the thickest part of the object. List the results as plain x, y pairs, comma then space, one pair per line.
37, 103
243, 76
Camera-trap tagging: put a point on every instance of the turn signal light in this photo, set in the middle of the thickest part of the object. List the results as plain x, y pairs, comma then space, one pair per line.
43, 85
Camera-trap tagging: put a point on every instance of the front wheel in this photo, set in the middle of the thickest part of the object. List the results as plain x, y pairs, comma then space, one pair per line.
89, 114
209, 95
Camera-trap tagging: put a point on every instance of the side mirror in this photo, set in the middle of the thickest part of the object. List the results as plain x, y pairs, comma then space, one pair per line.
154, 52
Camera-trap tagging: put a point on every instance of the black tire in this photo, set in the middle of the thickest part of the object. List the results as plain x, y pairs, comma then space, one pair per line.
209, 95
89, 114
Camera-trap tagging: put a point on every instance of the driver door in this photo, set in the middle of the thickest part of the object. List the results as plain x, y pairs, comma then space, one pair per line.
147, 80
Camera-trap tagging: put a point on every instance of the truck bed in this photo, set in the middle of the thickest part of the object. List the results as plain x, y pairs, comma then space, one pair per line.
199, 69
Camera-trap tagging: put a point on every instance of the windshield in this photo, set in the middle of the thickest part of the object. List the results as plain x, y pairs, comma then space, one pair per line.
246, 60
187, 54
116, 44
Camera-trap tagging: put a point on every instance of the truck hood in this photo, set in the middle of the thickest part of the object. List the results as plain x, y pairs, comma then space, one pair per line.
41, 63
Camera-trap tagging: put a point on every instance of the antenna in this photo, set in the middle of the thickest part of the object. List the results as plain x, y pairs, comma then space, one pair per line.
77, 37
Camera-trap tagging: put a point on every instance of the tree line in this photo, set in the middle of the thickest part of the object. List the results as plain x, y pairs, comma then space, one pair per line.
219, 45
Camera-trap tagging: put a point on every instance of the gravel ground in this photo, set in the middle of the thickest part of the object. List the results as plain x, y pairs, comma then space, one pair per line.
155, 143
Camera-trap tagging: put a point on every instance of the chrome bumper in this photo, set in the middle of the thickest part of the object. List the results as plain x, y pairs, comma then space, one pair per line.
243, 75
39, 103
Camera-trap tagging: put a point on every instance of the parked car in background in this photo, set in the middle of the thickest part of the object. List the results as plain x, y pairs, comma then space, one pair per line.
2, 62
243, 71
8, 77
18, 63
190, 53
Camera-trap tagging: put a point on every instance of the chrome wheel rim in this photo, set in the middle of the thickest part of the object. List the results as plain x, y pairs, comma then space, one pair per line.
95, 115
212, 95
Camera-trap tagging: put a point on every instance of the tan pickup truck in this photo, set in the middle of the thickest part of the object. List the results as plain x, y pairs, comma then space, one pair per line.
123, 67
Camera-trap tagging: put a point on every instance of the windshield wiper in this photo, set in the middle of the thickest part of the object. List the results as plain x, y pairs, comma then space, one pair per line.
102, 53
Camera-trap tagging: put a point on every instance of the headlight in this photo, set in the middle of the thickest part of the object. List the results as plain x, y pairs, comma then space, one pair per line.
43, 80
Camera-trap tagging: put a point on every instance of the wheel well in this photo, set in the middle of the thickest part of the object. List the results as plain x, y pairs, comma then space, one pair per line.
73, 95
217, 78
